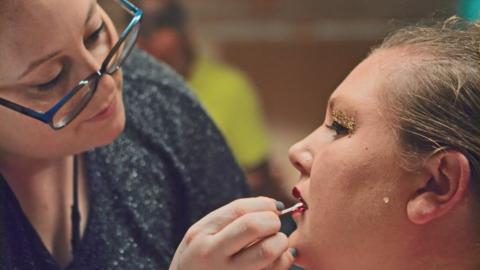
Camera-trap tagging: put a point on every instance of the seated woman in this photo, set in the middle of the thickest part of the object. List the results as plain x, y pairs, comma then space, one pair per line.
391, 179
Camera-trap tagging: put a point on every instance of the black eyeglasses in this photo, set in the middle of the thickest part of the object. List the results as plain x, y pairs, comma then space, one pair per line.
70, 105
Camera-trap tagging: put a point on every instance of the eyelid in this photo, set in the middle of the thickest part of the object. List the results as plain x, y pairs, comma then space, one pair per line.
96, 33
48, 85
342, 123
339, 129
344, 119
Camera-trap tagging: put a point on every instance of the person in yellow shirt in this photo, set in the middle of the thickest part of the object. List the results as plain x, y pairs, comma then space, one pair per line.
230, 100
226, 92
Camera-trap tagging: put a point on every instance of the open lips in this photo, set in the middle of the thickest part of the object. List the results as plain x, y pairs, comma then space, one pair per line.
298, 196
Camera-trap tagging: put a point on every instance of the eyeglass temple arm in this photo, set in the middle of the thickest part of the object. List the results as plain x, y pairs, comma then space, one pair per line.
44, 117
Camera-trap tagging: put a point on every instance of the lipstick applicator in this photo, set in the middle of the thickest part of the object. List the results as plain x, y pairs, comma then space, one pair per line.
297, 208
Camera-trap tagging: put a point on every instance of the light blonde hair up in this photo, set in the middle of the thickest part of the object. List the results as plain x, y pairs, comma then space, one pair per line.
436, 96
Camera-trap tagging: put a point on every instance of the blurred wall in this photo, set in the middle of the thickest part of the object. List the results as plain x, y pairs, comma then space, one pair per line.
299, 50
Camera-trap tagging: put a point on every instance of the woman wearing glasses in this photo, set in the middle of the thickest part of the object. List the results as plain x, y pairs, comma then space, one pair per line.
78, 193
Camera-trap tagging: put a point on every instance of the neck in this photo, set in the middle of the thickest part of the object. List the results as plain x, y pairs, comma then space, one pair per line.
38, 179
451, 243
44, 191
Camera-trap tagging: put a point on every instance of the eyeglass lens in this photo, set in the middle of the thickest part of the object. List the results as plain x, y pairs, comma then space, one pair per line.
81, 98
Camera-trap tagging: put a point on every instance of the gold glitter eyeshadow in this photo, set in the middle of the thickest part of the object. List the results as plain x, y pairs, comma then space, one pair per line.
344, 120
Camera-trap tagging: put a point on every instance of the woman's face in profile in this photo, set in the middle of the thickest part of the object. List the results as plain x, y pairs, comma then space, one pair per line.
47, 48
351, 177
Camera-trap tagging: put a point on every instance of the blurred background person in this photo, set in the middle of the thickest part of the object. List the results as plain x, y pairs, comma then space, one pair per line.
225, 91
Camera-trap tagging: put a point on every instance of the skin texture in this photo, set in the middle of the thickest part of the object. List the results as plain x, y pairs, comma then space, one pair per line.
365, 210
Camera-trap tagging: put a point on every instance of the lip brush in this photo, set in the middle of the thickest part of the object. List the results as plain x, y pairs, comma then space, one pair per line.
294, 208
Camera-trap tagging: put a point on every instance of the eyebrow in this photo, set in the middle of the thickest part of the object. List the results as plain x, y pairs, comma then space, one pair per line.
331, 103
338, 101
91, 11
36, 63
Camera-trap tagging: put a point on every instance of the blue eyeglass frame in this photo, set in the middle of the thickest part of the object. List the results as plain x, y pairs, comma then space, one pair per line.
47, 117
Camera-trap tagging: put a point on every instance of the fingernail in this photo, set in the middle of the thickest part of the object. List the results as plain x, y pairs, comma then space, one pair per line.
294, 252
280, 206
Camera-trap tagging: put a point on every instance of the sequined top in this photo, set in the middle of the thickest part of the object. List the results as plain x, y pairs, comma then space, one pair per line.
169, 168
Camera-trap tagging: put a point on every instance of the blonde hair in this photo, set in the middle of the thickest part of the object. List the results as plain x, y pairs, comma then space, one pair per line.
436, 97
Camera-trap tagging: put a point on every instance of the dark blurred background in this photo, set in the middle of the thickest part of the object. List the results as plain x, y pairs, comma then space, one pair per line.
297, 51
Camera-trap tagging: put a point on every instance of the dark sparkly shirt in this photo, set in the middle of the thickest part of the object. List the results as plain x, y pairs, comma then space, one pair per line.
169, 168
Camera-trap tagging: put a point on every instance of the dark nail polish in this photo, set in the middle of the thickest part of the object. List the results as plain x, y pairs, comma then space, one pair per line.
280, 206
294, 252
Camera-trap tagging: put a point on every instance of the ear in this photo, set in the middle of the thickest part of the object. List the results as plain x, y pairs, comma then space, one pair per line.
443, 186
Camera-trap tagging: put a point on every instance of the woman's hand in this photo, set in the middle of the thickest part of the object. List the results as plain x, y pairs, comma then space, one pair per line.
242, 235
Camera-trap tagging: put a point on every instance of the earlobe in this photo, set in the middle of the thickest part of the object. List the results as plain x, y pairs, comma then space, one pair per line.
423, 208
445, 185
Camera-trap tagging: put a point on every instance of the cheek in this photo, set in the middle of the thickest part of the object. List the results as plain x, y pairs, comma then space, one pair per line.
20, 135
24, 136
354, 169
347, 191
345, 169
118, 78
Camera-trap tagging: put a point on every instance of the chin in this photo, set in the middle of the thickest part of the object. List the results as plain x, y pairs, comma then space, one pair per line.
310, 249
295, 241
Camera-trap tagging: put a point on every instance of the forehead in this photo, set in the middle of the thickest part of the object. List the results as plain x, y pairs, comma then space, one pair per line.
367, 82
31, 29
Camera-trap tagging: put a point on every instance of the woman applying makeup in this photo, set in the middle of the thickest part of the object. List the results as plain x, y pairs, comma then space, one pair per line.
89, 122
391, 178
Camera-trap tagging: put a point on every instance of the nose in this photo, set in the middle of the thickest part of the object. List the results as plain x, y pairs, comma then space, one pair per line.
87, 64
301, 157
91, 63
108, 83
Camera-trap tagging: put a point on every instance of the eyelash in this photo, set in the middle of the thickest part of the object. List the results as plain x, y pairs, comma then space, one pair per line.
52, 83
339, 129
95, 35
49, 85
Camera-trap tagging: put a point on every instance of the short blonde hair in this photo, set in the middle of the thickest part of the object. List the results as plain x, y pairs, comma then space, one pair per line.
436, 99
